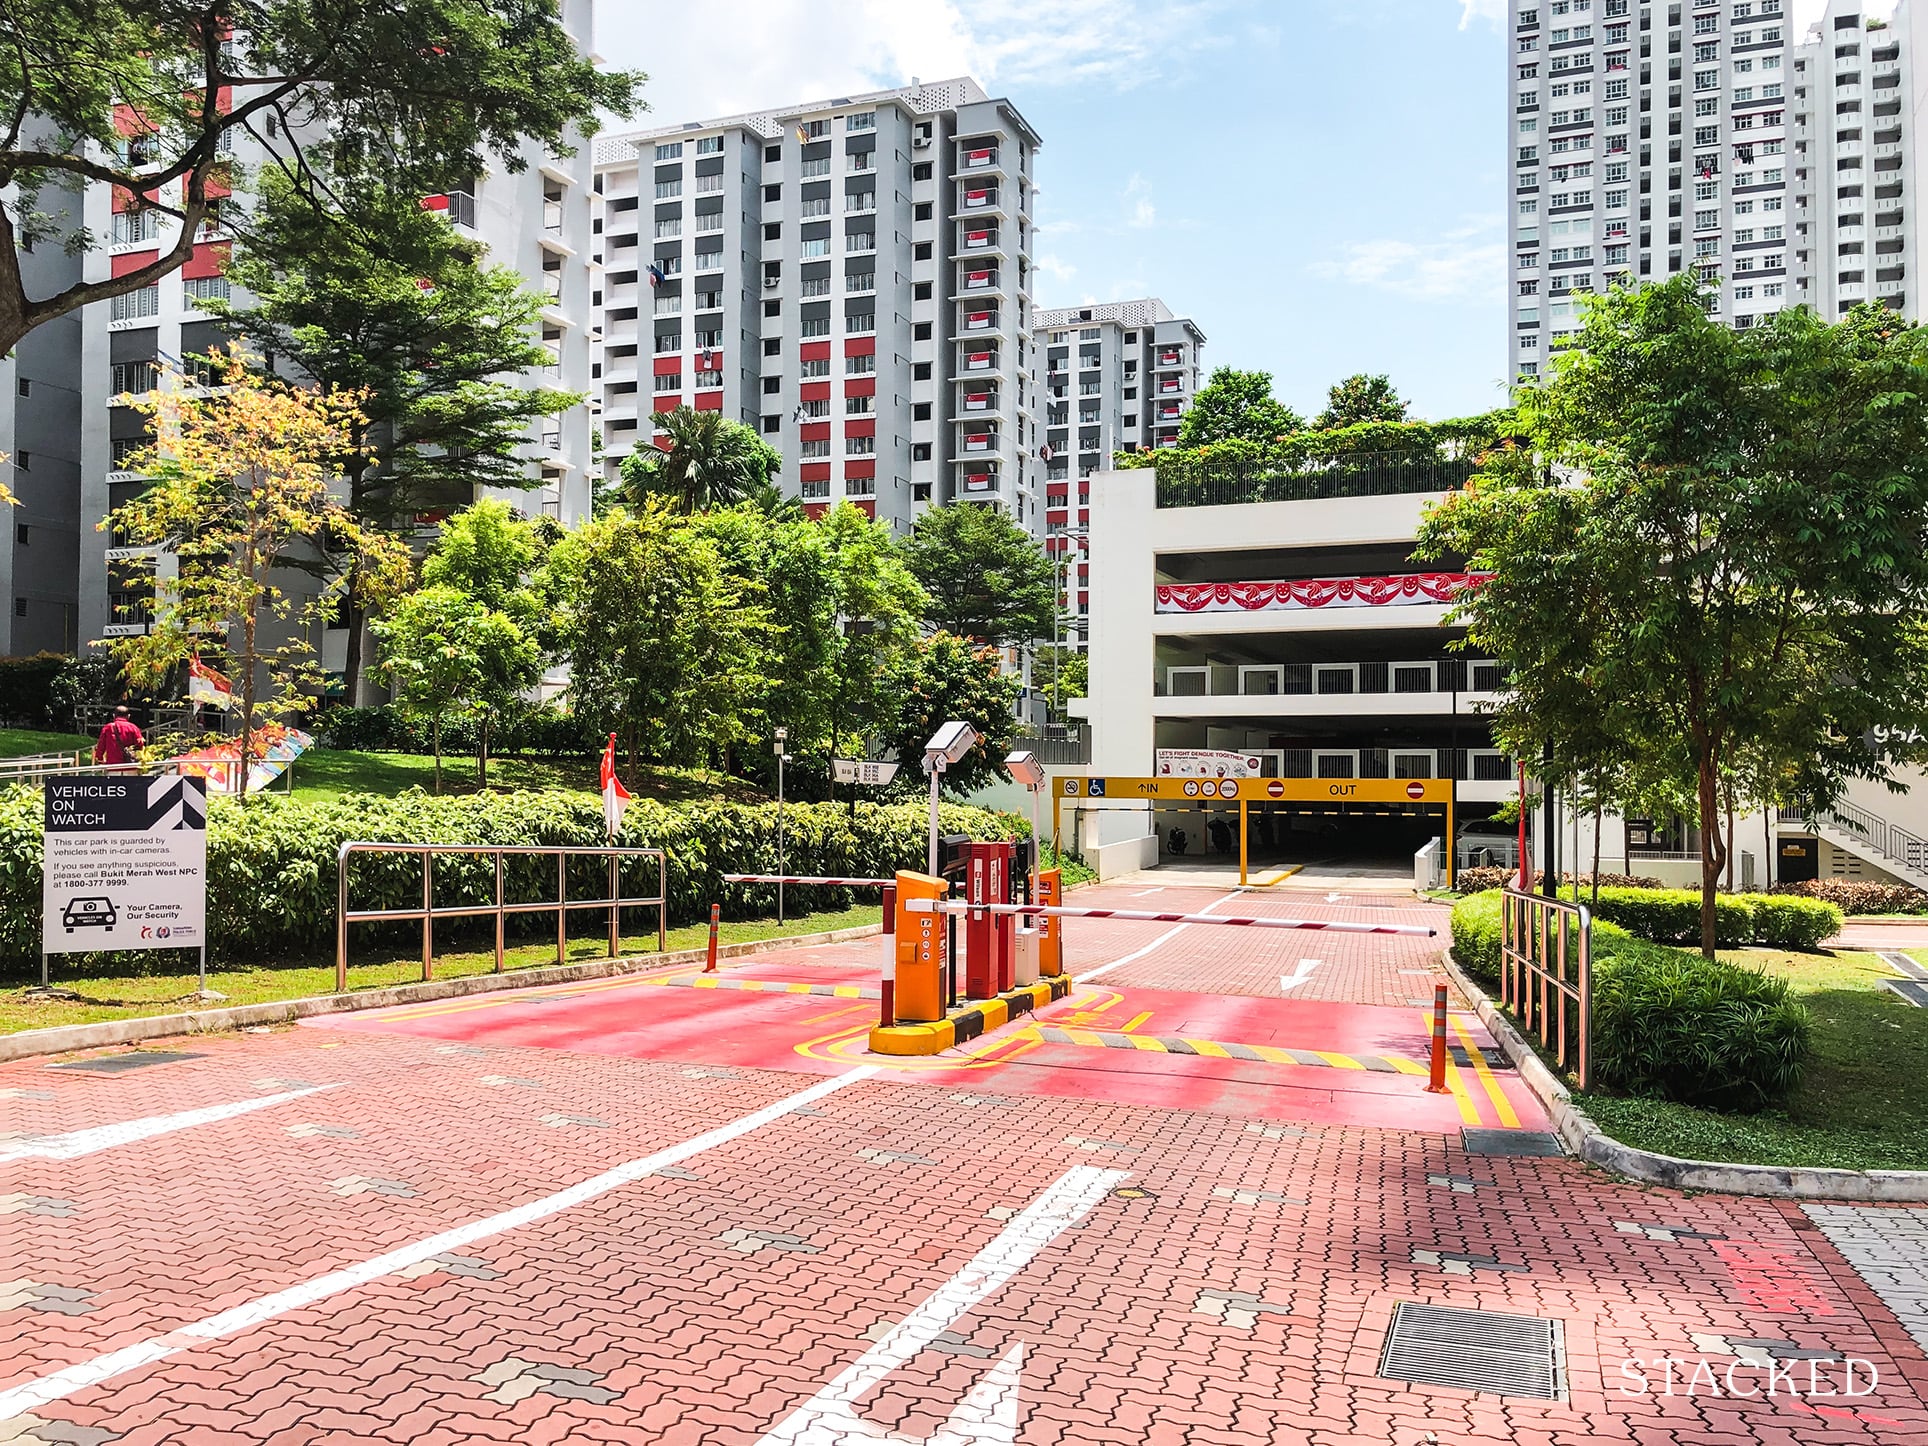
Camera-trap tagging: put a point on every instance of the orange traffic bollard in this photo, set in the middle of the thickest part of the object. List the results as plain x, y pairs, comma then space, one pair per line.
1437, 1085
716, 913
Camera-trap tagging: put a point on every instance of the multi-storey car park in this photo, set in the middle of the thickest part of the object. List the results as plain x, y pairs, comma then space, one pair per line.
536, 220
1118, 376
851, 277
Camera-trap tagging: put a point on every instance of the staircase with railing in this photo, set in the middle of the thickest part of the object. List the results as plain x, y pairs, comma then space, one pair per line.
1894, 848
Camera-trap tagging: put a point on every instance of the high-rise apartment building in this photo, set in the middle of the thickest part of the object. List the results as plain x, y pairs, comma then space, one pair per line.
1645, 140
537, 220
852, 277
1117, 377
1854, 103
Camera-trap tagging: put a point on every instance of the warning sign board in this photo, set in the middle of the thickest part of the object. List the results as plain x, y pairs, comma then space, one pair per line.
124, 863
1291, 790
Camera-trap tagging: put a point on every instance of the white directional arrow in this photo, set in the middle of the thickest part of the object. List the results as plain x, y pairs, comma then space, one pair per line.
1298, 976
988, 1415
1334, 898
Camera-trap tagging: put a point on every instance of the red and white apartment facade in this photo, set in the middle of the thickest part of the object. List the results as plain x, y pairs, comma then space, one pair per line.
851, 277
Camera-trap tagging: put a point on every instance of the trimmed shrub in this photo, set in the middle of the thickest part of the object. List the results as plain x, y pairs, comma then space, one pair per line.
1672, 916
1670, 1025
1476, 935
1786, 921
1859, 896
27, 687
271, 861
1494, 876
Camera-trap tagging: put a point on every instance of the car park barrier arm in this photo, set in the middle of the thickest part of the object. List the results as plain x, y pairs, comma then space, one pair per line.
613, 902
807, 879
1146, 916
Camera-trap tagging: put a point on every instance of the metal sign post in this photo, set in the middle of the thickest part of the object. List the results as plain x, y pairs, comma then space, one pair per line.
782, 734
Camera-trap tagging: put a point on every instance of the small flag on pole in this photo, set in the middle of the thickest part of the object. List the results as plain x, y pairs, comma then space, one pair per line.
803, 135
615, 796
204, 685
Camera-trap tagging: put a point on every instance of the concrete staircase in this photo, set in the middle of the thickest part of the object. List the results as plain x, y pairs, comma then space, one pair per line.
1888, 846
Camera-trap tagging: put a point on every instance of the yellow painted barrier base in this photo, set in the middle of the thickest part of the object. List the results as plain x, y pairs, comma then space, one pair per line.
967, 1021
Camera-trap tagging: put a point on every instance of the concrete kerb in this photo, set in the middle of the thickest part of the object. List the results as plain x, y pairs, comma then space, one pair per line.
1582, 1137
62, 1039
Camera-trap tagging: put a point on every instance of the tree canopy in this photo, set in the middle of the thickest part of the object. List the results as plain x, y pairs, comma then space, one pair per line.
1360, 398
1236, 405
1706, 554
706, 461
416, 95
987, 577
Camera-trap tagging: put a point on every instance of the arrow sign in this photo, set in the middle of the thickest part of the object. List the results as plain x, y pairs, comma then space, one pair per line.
1334, 898
1298, 976
988, 1414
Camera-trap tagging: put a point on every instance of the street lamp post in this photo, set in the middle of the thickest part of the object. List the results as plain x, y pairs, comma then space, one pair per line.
781, 735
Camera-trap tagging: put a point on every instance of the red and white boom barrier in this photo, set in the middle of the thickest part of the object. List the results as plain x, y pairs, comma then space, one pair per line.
807, 879
1146, 916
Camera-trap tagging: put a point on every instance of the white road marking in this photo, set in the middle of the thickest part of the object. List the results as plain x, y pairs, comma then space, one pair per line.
1147, 893
1334, 898
106, 1137
988, 1415
1298, 976
1137, 954
31, 1394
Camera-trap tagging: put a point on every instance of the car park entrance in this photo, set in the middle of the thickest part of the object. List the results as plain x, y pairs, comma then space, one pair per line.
1253, 817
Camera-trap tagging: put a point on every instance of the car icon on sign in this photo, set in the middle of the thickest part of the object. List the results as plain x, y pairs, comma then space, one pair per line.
95, 912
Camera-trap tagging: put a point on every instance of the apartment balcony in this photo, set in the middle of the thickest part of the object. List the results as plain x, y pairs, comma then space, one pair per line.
978, 280
980, 239
981, 199
978, 358
976, 317
978, 158
977, 401
620, 369
977, 480
977, 441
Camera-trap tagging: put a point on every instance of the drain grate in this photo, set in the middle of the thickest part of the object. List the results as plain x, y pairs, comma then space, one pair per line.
1912, 990
1475, 1350
122, 1063
1903, 964
1509, 1142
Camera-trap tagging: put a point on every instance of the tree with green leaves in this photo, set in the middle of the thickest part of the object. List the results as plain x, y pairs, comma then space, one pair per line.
987, 578
448, 654
385, 299
947, 677
1360, 398
707, 461
1236, 405
1708, 550
141, 95
666, 645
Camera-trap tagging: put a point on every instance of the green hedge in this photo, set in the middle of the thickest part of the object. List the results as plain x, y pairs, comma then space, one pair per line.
271, 862
1672, 916
1667, 1023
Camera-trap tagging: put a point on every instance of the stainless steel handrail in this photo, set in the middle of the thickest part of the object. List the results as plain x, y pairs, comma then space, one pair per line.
614, 902
1537, 936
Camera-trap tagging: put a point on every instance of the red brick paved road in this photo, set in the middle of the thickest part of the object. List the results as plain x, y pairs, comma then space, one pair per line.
1236, 1288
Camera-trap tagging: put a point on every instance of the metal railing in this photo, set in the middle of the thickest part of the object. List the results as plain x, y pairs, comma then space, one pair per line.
32, 767
613, 901
1546, 975
1184, 482
1890, 840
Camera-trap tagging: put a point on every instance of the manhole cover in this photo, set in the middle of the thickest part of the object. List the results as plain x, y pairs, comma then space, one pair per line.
1475, 1350
121, 1063
1509, 1142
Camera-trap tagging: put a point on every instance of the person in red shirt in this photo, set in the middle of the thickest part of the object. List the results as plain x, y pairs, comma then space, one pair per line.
118, 740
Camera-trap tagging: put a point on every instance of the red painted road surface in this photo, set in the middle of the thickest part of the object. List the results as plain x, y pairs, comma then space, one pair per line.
655, 1213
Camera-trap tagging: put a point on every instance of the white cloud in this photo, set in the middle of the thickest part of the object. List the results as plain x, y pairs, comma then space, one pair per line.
728, 56
1466, 264
1491, 11
1142, 214
1055, 267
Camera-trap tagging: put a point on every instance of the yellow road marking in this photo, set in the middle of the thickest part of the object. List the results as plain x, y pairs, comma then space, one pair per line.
1275, 876
1502, 1106
1146, 1042
1342, 1061
1208, 1049
1134, 1022
837, 1013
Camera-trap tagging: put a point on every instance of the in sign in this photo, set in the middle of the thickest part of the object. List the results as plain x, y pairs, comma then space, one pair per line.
1415, 790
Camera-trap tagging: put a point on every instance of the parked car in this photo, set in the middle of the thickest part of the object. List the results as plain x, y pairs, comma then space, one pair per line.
1486, 841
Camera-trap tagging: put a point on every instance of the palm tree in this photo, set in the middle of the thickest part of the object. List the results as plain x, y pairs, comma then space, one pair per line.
707, 461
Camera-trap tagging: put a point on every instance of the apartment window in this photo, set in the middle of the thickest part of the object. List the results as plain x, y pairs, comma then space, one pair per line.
132, 226
773, 231
860, 446
814, 326
920, 411
137, 377
772, 386
669, 226
819, 247
669, 151
709, 146
773, 153
861, 241
921, 211
668, 342
772, 346
145, 302
815, 491
814, 449
859, 322
816, 286
920, 451
861, 121
921, 291
814, 411
818, 368
921, 331
772, 423
860, 201
814, 206
712, 378
863, 161
669, 190
205, 288
921, 251
816, 130
860, 406
820, 167
1706, 220
919, 371
857, 366
773, 193
921, 171
773, 308
669, 382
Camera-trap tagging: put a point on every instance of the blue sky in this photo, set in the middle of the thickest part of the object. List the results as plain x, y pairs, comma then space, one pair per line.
1319, 186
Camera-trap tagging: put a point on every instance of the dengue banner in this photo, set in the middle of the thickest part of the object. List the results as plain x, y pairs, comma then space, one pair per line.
125, 863
1207, 763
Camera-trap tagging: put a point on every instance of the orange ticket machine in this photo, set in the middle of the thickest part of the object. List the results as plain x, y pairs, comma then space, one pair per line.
918, 992
1050, 930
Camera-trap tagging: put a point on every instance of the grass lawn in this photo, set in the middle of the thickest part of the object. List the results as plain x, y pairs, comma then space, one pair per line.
125, 996
1862, 1106
22, 742
329, 772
